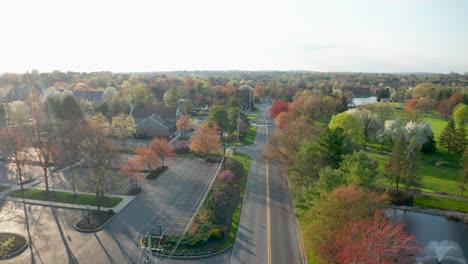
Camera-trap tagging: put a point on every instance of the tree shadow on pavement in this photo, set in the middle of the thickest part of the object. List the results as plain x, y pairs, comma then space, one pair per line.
71, 256
30, 241
104, 249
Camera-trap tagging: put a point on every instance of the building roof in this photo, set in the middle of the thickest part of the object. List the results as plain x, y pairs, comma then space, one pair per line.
164, 113
92, 96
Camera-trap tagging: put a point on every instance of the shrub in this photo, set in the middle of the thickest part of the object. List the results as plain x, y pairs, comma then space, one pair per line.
400, 198
226, 176
216, 232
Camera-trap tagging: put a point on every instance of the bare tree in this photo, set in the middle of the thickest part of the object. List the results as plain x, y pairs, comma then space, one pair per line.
15, 144
97, 155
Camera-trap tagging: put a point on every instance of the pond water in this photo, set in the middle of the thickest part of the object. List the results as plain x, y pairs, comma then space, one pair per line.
364, 100
444, 240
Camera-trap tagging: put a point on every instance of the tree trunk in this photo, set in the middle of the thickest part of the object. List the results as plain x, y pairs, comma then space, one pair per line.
98, 200
397, 182
20, 176
46, 179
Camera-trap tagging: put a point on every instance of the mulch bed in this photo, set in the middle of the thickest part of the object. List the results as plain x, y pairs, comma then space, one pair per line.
134, 191
155, 173
18, 243
96, 220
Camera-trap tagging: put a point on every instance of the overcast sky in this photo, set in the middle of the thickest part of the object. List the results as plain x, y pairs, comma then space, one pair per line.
321, 35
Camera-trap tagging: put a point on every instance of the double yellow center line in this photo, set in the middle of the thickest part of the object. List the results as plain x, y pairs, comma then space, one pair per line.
267, 170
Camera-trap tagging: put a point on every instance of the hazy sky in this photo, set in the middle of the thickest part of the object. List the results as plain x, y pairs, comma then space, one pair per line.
322, 35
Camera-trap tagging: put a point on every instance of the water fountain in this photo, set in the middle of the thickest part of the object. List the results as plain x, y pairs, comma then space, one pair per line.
443, 252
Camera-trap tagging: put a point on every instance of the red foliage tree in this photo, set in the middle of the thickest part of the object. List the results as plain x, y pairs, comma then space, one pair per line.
277, 107
410, 105
374, 240
445, 107
146, 157
456, 98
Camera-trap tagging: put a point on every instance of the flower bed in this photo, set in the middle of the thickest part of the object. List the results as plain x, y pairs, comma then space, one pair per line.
215, 225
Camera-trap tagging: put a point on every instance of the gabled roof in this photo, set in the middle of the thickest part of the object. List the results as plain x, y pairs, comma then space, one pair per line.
165, 113
92, 96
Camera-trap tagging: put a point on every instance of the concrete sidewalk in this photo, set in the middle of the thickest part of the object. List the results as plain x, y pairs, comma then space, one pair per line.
126, 199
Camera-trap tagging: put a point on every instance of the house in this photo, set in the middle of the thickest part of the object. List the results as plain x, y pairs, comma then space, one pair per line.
92, 96
158, 122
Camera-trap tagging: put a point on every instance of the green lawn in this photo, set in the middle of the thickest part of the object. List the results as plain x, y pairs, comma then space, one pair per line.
64, 197
437, 124
249, 138
253, 116
444, 203
435, 178
245, 160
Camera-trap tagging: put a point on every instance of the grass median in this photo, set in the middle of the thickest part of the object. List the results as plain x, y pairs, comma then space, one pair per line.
65, 197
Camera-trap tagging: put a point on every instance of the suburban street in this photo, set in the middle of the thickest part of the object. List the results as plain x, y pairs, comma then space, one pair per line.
267, 230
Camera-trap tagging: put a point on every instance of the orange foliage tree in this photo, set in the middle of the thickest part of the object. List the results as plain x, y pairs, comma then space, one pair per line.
184, 123
162, 148
205, 139
410, 105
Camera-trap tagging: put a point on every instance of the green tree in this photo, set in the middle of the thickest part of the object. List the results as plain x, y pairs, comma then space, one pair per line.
171, 96
139, 94
460, 114
328, 150
351, 125
459, 140
219, 115
359, 169
123, 127
464, 171
396, 166
411, 177
447, 138
429, 146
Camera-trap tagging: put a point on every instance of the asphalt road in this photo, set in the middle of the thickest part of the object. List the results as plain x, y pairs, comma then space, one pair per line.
268, 229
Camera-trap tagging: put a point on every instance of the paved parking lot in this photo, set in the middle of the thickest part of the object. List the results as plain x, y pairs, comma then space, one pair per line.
170, 200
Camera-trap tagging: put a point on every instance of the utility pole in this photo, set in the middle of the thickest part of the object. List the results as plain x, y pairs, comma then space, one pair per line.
224, 151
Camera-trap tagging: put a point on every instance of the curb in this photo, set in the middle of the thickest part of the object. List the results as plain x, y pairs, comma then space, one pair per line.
92, 230
191, 257
19, 251
48, 205
161, 174
108, 220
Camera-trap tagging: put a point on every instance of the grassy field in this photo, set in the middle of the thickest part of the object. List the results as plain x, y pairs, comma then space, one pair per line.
435, 178
444, 203
64, 197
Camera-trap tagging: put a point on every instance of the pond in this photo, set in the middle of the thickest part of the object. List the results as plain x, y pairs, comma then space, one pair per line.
364, 100
444, 240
